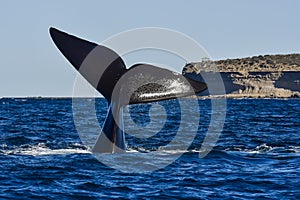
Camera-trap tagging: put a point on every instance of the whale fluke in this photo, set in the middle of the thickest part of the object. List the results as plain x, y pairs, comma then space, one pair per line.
73, 48
107, 62
105, 70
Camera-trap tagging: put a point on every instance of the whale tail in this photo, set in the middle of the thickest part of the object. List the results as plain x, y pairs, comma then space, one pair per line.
105, 70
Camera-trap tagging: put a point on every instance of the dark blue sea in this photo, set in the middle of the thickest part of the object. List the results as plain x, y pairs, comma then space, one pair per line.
43, 156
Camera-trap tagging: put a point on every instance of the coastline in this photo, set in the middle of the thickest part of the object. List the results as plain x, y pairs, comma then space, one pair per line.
226, 96
269, 76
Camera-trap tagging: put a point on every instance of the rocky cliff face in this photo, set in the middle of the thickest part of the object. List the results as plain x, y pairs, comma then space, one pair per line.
259, 76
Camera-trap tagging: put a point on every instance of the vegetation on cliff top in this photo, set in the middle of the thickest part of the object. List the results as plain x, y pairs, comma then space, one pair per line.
270, 63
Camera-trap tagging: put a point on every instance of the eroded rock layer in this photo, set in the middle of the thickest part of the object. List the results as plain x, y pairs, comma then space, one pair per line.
266, 76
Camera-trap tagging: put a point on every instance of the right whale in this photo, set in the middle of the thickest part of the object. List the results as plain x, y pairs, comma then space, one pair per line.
105, 70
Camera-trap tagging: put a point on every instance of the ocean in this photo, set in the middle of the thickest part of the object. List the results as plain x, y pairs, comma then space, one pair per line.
46, 154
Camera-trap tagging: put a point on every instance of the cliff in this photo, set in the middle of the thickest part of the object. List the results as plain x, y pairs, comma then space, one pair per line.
265, 76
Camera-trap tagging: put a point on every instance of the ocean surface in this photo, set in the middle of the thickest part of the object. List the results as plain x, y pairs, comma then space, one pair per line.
42, 155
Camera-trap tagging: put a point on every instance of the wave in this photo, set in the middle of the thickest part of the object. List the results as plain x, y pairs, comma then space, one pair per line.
264, 148
42, 150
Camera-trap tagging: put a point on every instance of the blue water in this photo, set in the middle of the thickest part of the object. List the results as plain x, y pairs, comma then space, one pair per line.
256, 156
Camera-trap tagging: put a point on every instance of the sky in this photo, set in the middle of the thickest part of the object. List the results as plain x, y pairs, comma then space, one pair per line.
32, 66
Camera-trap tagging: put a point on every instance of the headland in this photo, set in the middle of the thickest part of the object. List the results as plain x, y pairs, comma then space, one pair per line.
263, 76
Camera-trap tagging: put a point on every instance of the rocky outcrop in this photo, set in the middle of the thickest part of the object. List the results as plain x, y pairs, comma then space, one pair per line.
266, 76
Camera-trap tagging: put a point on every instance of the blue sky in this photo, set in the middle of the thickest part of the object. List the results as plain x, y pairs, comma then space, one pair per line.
32, 66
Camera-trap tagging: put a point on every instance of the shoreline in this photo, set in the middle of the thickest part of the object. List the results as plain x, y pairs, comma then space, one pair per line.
226, 96
268, 76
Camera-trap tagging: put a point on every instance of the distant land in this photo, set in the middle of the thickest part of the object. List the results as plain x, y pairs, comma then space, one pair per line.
263, 76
